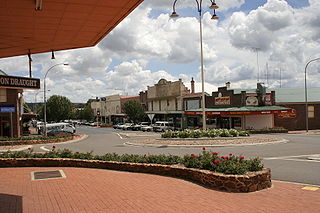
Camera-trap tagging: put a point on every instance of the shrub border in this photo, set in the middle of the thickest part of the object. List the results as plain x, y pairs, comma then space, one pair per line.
253, 181
31, 142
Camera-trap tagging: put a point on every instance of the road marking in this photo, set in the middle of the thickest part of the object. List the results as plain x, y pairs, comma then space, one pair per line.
310, 188
45, 149
119, 135
294, 156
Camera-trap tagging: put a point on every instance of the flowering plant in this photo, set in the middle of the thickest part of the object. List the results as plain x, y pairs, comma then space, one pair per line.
230, 164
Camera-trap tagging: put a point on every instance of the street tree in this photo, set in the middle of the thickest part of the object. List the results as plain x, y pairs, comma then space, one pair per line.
134, 111
59, 108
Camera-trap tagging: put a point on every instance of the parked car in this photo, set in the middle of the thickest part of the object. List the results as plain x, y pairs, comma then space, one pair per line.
139, 125
117, 126
127, 126
162, 126
147, 128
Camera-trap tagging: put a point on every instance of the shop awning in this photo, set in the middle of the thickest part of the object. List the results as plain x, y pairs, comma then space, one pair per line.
245, 110
37, 26
164, 112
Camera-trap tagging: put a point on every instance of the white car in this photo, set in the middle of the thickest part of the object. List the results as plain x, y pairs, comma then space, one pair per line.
126, 126
147, 128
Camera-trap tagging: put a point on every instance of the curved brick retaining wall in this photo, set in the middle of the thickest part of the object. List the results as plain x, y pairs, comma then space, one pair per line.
30, 142
231, 183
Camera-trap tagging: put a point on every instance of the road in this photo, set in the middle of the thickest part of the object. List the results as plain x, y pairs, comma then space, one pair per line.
288, 161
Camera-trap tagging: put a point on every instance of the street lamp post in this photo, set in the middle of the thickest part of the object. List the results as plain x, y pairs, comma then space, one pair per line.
44, 96
306, 91
214, 17
35, 99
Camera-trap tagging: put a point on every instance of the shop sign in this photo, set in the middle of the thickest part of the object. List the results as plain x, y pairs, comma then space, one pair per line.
267, 100
19, 82
7, 109
252, 100
222, 100
287, 114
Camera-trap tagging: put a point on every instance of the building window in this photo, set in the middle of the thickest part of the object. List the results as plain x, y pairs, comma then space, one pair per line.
3, 95
310, 111
168, 103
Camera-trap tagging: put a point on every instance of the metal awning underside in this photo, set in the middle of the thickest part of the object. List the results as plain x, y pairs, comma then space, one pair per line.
58, 25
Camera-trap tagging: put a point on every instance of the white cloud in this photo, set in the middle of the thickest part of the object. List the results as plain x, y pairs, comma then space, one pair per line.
287, 39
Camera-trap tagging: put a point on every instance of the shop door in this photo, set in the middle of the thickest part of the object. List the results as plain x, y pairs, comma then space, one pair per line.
5, 130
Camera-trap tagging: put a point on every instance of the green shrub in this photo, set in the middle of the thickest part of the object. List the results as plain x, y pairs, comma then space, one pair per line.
211, 133
212, 161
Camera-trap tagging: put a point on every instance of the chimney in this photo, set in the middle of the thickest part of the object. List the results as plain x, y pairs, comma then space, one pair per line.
228, 84
192, 85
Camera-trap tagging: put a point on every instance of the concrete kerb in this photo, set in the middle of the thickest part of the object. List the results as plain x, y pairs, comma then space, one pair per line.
206, 145
25, 147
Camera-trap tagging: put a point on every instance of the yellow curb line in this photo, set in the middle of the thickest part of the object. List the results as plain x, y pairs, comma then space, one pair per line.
310, 188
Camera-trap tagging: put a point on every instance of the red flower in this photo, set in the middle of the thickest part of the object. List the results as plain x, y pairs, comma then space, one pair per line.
203, 148
193, 155
215, 153
53, 147
145, 154
217, 161
29, 148
230, 154
241, 157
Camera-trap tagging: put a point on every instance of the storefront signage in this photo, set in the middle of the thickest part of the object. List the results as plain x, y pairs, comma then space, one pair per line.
267, 100
252, 101
222, 100
19, 82
7, 109
287, 114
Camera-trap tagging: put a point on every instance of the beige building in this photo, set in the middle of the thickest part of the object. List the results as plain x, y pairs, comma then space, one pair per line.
164, 100
109, 109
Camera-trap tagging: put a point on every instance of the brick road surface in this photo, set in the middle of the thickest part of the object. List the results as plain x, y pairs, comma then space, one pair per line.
95, 190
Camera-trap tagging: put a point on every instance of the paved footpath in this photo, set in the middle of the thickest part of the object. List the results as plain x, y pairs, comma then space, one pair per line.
97, 190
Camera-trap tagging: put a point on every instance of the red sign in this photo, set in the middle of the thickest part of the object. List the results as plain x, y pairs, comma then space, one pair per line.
287, 114
222, 100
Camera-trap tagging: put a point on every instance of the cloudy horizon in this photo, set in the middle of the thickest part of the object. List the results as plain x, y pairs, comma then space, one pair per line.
148, 45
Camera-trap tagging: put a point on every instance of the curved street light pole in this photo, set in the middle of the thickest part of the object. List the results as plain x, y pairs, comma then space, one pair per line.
215, 17
45, 98
306, 91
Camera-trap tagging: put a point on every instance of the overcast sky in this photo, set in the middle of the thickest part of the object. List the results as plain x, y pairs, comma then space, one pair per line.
148, 45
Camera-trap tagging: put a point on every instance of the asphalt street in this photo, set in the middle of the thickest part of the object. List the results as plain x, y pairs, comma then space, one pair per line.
294, 161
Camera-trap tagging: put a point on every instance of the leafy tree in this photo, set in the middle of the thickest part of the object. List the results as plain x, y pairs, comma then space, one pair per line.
134, 110
58, 108
86, 113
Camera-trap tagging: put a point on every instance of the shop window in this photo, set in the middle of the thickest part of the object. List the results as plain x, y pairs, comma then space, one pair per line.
3, 95
310, 111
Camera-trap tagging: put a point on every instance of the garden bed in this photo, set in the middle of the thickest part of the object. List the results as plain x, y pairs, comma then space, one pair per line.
250, 182
228, 173
35, 140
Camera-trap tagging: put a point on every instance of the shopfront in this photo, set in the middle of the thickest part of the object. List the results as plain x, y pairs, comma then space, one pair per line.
240, 117
11, 103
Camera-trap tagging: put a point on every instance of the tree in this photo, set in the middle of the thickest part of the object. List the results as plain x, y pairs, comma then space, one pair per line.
134, 110
59, 108
86, 113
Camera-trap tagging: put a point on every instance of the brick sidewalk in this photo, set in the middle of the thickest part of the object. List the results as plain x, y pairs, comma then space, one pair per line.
94, 190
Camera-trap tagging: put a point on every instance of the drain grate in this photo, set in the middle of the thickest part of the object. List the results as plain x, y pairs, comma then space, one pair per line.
44, 175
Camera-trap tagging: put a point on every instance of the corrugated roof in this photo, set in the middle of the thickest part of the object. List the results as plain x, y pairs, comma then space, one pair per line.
288, 95
238, 91
296, 95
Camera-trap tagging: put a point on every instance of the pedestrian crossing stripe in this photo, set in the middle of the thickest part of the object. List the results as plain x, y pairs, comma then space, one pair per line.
310, 188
